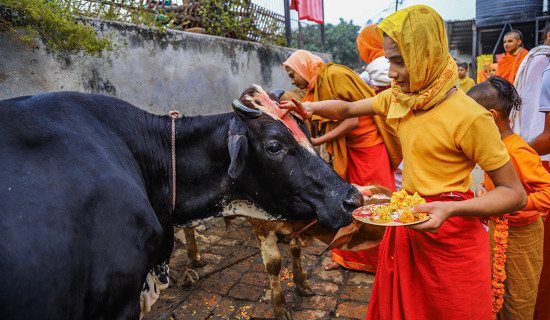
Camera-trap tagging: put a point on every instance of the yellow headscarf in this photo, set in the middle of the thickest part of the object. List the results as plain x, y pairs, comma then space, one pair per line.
421, 37
306, 64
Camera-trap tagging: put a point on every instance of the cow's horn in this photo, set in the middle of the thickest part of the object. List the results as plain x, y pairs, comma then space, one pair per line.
277, 93
245, 111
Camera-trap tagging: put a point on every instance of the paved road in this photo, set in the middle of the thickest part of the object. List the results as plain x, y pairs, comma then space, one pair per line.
234, 284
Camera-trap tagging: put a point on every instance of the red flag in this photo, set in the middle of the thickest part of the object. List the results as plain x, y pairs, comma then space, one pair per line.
311, 10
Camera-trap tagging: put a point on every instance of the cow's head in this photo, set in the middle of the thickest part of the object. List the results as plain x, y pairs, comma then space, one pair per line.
274, 164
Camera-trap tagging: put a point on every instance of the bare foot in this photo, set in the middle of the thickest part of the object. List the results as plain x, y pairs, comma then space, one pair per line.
332, 265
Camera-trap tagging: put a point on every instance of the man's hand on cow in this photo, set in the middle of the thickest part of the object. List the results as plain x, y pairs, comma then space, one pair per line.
294, 105
438, 211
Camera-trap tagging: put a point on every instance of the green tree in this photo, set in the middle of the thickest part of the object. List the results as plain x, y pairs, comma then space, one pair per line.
340, 42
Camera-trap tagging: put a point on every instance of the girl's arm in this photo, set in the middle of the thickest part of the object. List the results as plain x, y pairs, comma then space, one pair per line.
508, 196
341, 130
331, 109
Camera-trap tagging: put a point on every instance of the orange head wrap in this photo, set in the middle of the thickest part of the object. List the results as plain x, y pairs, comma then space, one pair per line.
493, 66
306, 64
369, 44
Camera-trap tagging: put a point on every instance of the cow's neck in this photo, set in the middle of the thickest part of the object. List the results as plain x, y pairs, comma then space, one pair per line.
203, 185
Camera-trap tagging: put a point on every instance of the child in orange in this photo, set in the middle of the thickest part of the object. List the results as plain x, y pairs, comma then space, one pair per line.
525, 228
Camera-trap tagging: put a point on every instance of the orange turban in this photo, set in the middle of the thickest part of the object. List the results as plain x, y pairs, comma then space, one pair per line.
306, 64
369, 44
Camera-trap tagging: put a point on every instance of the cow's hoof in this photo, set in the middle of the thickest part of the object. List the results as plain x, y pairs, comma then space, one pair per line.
305, 292
197, 264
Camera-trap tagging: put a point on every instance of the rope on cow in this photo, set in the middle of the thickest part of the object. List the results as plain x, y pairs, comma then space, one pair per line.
190, 276
174, 114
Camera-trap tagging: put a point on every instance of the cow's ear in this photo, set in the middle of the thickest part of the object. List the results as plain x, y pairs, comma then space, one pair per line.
276, 94
237, 144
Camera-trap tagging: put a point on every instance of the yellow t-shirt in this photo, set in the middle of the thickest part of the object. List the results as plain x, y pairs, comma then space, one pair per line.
442, 146
466, 84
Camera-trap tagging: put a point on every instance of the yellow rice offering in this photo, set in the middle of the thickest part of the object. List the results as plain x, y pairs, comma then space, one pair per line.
400, 207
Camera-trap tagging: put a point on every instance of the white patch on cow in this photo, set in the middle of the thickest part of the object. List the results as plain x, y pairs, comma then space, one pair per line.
237, 208
248, 209
154, 283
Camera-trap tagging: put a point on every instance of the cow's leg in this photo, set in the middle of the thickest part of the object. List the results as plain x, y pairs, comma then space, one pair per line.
300, 278
271, 256
192, 250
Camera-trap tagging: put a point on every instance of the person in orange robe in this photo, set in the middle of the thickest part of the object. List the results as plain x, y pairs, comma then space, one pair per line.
367, 159
508, 65
524, 251
371, 51
375, 75
482, 75
440, 268
493, 69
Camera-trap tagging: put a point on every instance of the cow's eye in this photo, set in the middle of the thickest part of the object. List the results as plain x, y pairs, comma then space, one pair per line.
273, 146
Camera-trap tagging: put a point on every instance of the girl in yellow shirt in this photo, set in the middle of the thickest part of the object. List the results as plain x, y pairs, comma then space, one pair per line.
438, 269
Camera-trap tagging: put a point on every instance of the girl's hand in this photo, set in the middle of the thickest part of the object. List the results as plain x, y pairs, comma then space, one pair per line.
439, 211
315, 141
480, 190
294, 105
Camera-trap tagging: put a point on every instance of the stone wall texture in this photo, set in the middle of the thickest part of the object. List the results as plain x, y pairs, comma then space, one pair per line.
158, 72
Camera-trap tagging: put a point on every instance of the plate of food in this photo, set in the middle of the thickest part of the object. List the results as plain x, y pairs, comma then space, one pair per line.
396, 213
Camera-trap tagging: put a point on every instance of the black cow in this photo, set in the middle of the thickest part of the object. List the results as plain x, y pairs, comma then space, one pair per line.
86, 195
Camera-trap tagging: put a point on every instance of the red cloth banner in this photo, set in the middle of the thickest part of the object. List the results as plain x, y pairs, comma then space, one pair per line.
311, 10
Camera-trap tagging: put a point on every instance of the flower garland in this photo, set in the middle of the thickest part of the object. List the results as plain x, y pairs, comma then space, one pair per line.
499, 272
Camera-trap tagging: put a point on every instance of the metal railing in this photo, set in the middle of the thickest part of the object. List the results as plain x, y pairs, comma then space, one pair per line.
254, 20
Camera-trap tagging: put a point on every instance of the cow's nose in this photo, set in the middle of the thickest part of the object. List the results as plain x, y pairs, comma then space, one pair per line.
354, 198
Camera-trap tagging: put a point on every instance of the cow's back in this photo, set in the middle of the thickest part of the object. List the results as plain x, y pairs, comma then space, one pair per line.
67, 177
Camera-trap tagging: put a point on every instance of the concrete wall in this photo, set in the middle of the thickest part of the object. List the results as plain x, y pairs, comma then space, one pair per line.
193, 73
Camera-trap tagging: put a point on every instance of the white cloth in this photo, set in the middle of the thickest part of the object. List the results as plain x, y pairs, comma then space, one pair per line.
528, 123
376, 72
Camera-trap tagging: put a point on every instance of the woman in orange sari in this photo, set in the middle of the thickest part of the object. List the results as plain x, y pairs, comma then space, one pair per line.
438, 269
357, 144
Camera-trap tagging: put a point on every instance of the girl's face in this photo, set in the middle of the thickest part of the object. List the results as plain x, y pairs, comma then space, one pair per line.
493, 72
398, 71
461, 72
296, 79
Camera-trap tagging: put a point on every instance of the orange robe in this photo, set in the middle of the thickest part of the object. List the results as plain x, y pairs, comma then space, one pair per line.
337, 82
508, 65
524, 255
481, 76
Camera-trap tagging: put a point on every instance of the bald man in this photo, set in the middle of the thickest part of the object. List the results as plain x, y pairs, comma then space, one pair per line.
515, 53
